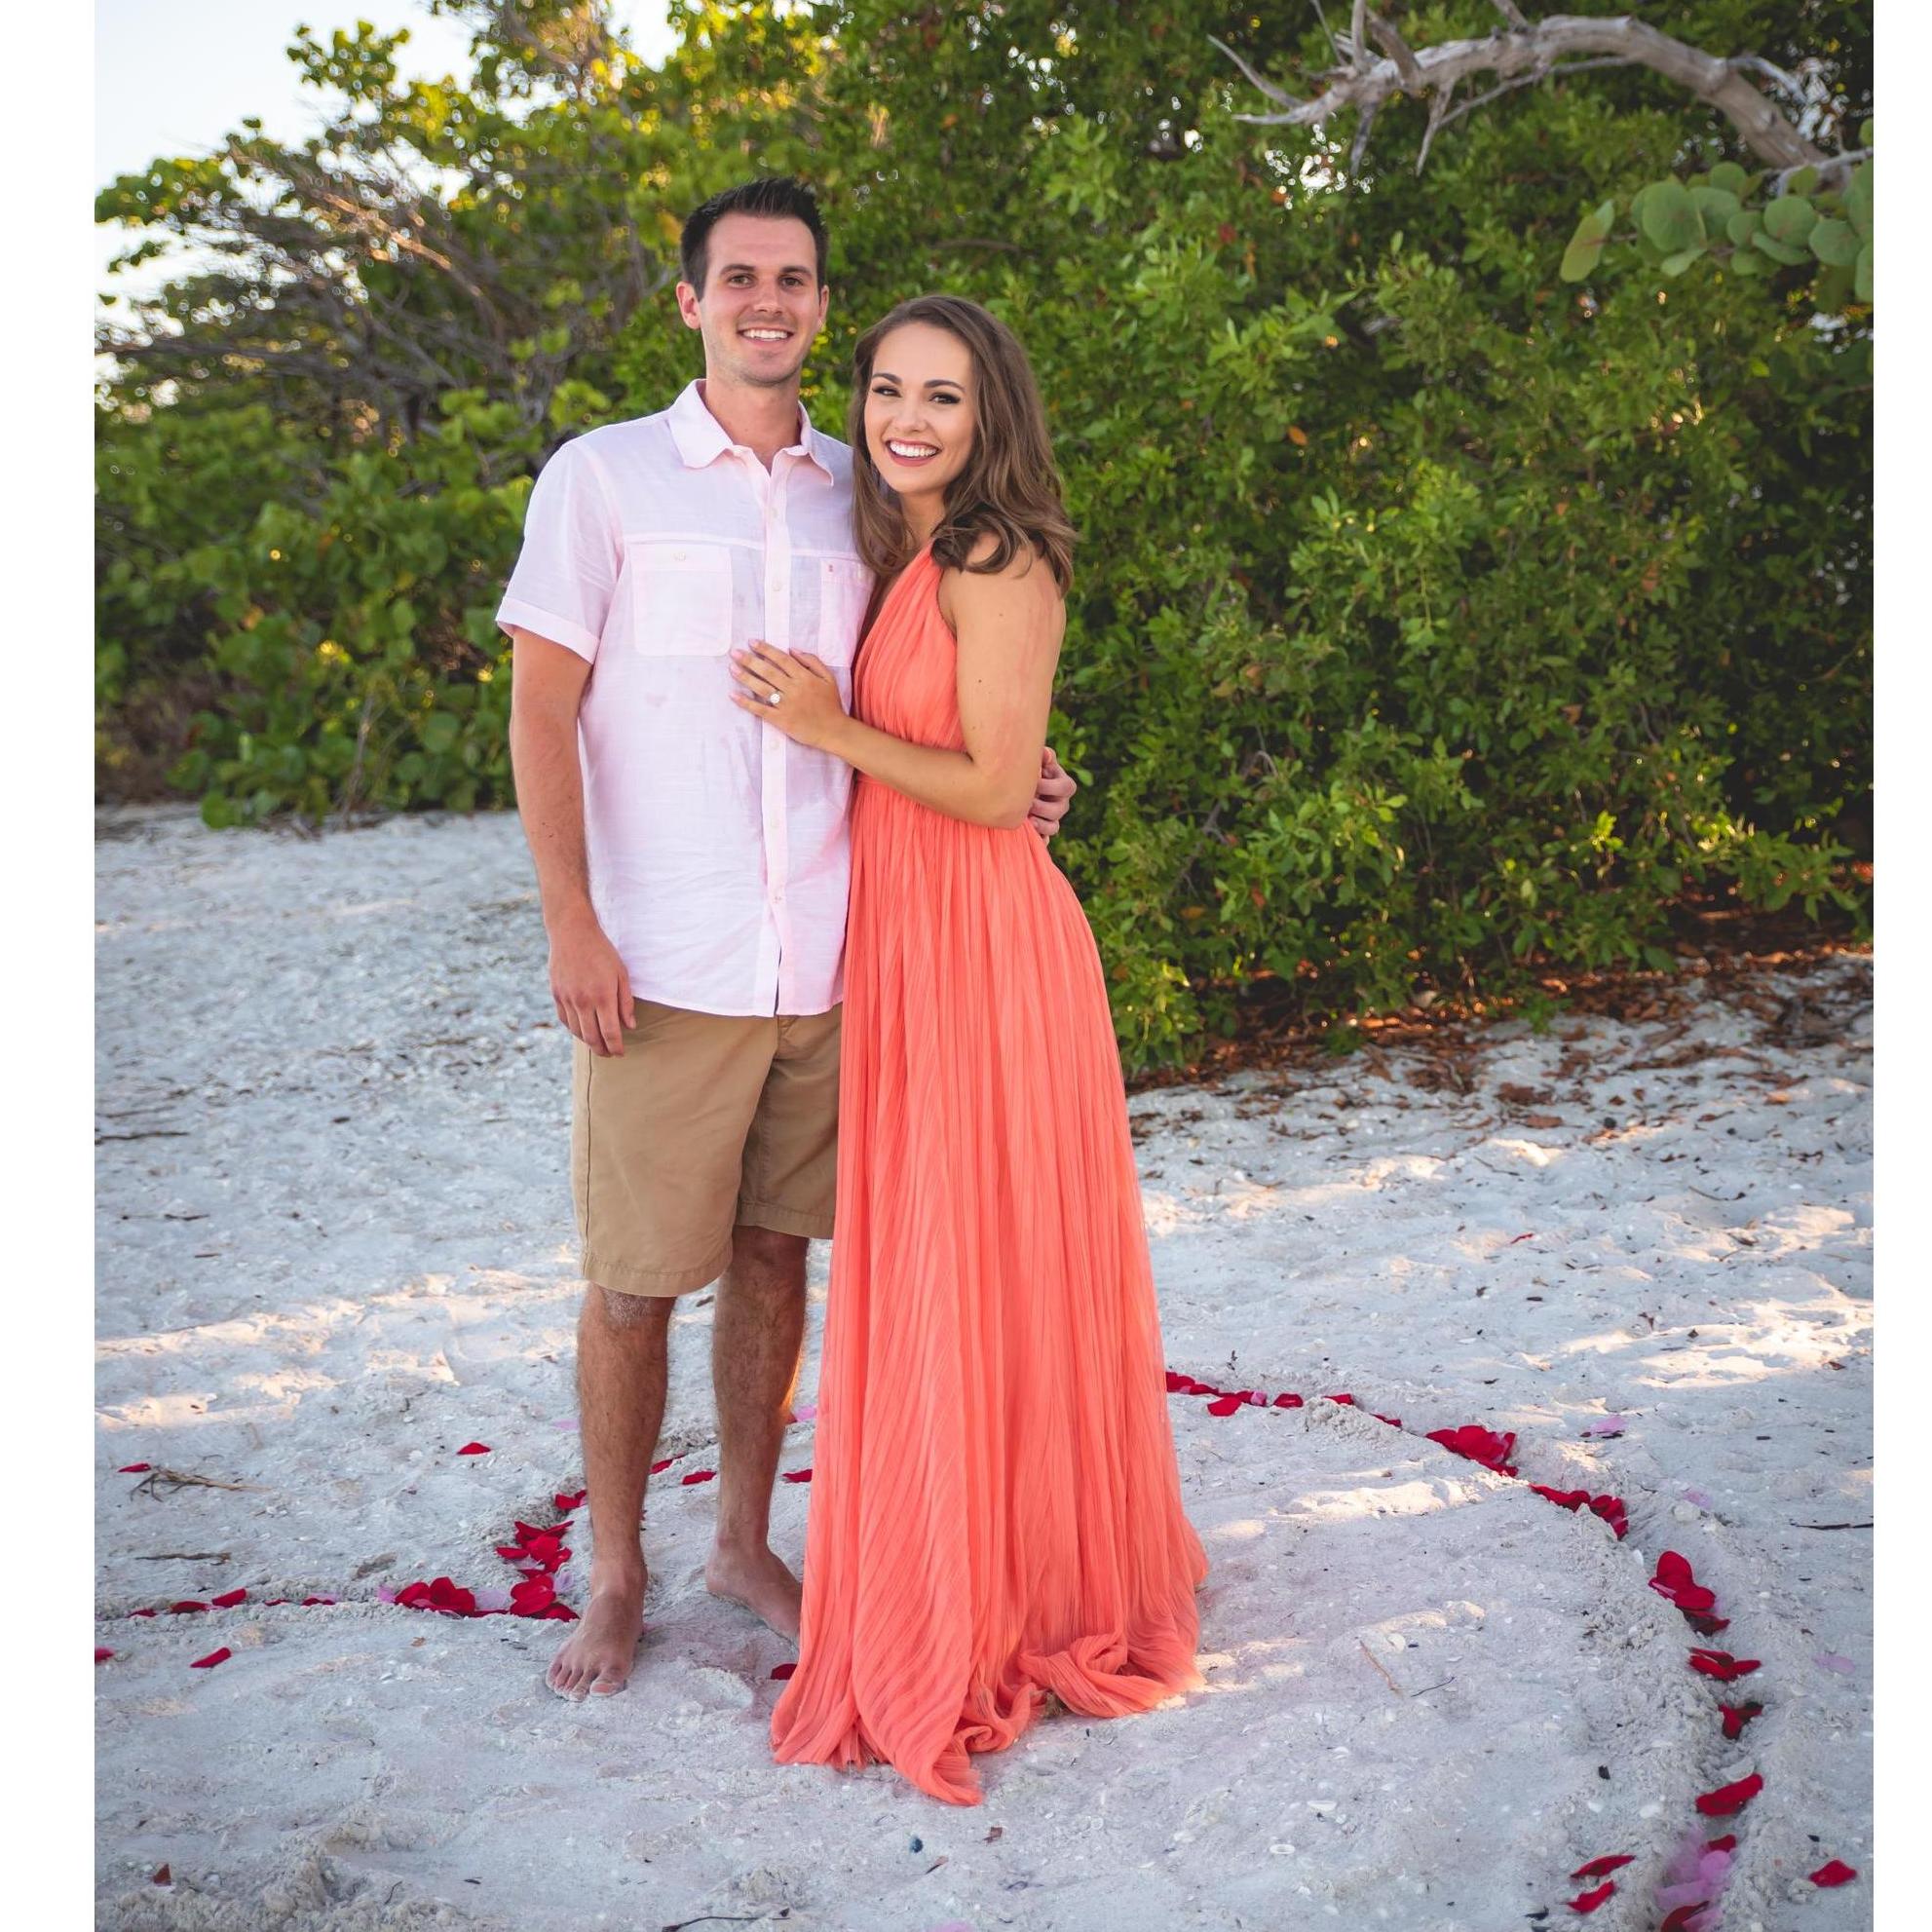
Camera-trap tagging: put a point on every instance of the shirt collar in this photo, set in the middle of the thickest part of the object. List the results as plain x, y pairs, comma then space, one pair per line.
700, 438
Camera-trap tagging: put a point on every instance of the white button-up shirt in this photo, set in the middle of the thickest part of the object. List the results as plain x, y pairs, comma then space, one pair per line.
718, 851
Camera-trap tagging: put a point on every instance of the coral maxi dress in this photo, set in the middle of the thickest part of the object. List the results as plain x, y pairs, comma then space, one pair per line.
996, 1510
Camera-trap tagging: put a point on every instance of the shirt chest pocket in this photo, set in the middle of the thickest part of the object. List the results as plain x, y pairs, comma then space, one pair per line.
844, 588
679, 602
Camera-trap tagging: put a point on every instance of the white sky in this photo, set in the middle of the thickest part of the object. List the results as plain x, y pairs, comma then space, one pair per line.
173, 76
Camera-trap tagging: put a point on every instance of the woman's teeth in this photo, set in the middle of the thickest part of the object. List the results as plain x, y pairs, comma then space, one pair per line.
912, 452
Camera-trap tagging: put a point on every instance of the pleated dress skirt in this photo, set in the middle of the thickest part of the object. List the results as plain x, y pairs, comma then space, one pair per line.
996, 1511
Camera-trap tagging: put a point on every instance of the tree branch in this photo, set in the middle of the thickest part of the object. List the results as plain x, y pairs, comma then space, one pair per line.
1530, 54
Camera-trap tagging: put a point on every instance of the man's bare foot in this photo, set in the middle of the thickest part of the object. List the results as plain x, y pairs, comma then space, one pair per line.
758, 1581
597, 1654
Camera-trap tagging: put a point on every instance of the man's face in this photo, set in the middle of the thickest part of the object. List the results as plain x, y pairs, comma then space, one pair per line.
761, 304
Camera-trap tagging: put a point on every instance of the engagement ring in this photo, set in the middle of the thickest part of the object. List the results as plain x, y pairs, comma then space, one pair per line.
771, 698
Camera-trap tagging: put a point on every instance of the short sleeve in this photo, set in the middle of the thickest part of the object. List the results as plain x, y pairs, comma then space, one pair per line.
566, 571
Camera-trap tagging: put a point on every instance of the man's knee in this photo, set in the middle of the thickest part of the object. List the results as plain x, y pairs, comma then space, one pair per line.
768, 1254
631, 1315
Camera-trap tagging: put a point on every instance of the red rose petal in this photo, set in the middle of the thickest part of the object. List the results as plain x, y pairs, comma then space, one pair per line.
1673, 1572
1227, 1405
141, 1613
533, 1597
1347, 1401
1683, 1915
133, 1468
451, 1598
1722, 1665
798, 1475
1287, 1401
101, 1657
228, 1600
1480, 1444
1599, 1868
475, 1449
1728, 1799
1836, 1873
1176, 1383
1393, 1422
1590, 1901
1563, 1498
1738, 1716
161, 1875
698, 1476
783, 1670
212, 1658
1729, 1842
184, 1608
1706, 1626
1610, 1509
658, 1468
307, 1601
566, 1502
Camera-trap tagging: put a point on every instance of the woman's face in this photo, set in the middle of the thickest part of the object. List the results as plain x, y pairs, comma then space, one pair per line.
919, 409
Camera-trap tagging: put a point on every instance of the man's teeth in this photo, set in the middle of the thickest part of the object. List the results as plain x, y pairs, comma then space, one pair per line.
769, 334
912, 449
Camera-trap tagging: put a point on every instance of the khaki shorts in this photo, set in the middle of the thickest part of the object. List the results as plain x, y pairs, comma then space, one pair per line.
706, 1122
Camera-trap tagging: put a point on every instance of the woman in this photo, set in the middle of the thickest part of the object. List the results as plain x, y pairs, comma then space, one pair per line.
996, 1514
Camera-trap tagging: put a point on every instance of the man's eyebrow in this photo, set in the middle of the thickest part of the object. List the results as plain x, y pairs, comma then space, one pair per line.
931, 382
751, 268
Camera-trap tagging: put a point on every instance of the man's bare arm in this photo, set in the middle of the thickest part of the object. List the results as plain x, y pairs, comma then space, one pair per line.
588, 981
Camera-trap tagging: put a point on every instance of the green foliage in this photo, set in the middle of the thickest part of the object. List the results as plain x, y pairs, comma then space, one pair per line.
1825, 234
1432, 617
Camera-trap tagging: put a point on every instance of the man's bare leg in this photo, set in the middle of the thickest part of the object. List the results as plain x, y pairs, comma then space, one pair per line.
755, 1340
622, 1370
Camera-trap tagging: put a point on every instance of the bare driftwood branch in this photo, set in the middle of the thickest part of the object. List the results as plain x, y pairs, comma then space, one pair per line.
1528, 53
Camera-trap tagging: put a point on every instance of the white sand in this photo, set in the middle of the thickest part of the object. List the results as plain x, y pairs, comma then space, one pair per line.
335, 1246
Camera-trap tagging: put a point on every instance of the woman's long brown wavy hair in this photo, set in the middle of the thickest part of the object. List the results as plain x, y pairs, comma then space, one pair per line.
1009, 488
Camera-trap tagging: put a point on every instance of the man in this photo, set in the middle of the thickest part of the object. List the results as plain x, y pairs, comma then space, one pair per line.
694, 874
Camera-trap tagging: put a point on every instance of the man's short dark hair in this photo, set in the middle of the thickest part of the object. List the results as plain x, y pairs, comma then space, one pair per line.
774, 196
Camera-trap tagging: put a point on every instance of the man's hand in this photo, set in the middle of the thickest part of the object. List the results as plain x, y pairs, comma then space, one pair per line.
590, 987
1055, 794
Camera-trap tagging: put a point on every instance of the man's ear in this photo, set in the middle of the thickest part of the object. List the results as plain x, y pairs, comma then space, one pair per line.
687, 305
